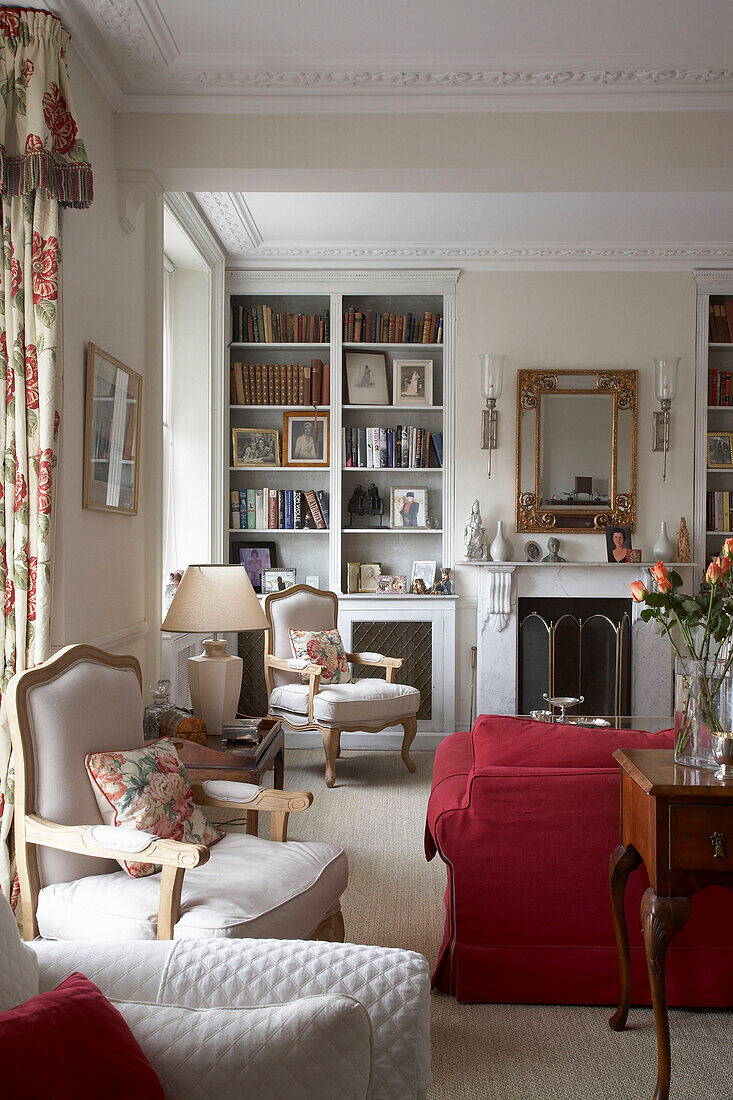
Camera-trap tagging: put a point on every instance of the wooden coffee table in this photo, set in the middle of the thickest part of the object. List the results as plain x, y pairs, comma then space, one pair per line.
678, 821
239, 762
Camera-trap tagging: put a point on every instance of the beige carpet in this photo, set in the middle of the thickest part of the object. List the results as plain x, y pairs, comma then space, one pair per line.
485, 1052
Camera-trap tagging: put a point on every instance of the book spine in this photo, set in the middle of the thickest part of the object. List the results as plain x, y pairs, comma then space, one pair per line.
239, 379
251, 509
426, 448
383, 448
280, 509
315, 511
289, 509
234, 519
243, 509
232, 386
439, 333
270, 384
405, 447
326, 384
361, 449
297, 509
398, 447
307, 387
301, 385
260, 518
272, 512
322, 498
390, 448
316, 383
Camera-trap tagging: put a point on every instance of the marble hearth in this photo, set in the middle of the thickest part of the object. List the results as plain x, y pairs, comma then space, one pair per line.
498, 590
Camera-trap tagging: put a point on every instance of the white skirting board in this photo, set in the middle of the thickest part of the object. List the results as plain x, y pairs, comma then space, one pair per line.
386, 740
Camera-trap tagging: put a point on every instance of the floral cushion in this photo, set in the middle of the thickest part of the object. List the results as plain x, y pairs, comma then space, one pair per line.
149, 789
324, 648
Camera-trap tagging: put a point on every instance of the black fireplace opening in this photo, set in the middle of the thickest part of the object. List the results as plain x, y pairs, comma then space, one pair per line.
575, 647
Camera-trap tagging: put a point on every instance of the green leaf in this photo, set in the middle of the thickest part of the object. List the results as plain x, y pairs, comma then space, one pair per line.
655, 599
46, 313
648, 614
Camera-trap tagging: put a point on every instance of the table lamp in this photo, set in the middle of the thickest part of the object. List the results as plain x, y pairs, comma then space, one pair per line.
219, 599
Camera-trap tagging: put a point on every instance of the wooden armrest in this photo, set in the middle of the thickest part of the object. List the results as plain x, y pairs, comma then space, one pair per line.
278, 803
75, 838
312, 671
391, 664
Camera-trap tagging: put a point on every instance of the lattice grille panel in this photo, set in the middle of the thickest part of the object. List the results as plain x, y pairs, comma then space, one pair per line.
253, 697
413, 642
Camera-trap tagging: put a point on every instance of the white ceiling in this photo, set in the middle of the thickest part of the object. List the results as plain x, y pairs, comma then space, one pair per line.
326, 55
671, 229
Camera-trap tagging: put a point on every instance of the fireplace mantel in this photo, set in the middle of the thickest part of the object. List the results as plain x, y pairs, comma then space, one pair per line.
501, 584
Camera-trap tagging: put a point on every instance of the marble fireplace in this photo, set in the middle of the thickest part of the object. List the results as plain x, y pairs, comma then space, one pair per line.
500, 586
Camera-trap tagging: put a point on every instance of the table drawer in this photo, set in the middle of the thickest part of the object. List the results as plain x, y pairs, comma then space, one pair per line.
701, 838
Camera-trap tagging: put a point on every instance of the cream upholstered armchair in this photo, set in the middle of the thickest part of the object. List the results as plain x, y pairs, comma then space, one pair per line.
369, 704
84, 701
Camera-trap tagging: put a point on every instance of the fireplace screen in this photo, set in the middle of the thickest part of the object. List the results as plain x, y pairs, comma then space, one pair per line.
575, 647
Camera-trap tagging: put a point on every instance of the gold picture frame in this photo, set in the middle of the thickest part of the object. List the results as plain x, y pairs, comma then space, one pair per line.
720, 455
306, 439
255, 447
113, 399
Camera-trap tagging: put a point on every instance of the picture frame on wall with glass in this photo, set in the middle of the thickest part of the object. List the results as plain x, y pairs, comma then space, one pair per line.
369, 573
305, 439
412, 382
408, 507
111, 434
366, 378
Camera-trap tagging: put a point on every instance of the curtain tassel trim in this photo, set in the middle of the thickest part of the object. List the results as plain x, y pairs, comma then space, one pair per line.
71, 184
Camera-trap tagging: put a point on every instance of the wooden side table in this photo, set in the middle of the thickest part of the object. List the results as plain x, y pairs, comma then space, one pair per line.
678, 821
239, 762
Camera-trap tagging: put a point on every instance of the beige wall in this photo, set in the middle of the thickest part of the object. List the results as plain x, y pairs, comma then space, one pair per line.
104, 562
568, 320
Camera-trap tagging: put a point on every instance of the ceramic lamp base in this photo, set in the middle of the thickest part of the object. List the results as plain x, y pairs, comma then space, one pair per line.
215, 681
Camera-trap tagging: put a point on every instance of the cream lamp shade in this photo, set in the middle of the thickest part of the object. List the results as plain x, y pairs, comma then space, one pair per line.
214, 599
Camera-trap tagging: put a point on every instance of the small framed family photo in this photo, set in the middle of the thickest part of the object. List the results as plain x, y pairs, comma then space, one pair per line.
391, 585
618, 544
255, 559
255, 447
305, 439
366, 378
720, 450
277, 580
424, 571
412, 382
408, 507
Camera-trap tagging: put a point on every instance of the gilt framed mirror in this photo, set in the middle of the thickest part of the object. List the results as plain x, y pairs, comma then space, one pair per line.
576, 450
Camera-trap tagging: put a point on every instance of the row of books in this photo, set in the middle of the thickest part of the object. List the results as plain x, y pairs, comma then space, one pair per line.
280, 383
279, 509
720, 318
370, 327
260, 325
392, 448
719, 511
719, 387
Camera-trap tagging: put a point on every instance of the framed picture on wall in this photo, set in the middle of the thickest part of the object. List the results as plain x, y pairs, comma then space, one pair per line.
305, 439
408, 507
366, 378
111, 434
257, 558
720, 450
412, 382
618, 544
277, 580
255, 447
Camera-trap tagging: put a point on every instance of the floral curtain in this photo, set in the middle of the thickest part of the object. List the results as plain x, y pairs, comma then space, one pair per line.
43, 165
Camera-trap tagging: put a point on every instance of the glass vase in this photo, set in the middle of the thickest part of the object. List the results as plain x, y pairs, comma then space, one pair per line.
703, 707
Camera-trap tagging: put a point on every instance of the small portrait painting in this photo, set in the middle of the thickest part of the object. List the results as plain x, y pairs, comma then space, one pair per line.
720, 450
412, 382
255, 559
305, 439
255, 447
277, 580
618, 544
369, 573
408, 507
366, 378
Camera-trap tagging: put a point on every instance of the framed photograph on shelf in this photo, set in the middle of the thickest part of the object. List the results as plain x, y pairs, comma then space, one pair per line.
352, 576
111, 434
277, 580
412, 382
305, 439
390, 585
255, 558
255, 447
366, 378
424, 571
618, 544
408, 507
720, 450
369, 573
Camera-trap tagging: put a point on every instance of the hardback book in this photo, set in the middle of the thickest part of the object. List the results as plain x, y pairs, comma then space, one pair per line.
383, 448
272, 512
260, 512
390, 448
322, 498
298, 509
376, 453
243, 509
437, 440
316, 380
326, 384
280, 509
234, 508
251, 509
315, 511
361, 447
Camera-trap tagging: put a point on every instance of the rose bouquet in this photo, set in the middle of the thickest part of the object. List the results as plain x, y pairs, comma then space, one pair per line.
699, 629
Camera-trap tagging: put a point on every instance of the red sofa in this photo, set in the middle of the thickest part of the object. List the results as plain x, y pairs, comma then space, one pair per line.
525, 816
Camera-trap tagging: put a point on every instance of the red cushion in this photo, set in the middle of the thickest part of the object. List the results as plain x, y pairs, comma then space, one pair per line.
72, 1044
501, 741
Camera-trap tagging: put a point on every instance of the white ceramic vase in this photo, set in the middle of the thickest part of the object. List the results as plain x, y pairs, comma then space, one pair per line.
663, 550
500, 550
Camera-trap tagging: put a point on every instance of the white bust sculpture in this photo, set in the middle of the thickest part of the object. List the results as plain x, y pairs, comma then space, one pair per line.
473, 535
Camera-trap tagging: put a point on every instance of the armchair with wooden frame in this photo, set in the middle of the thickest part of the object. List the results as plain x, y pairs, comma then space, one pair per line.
369, 705
85, 700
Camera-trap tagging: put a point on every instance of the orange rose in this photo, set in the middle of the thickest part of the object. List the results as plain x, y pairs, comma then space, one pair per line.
713, 574
659, 571
725, 564
727, 548
638, 591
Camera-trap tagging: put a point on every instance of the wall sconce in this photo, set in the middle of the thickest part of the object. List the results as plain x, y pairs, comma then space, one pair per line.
665, 371
492, 381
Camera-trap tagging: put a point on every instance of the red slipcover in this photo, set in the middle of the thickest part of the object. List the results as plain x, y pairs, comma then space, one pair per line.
525, 816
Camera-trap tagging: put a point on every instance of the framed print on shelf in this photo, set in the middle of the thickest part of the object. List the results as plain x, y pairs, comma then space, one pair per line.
425, 571
390, 585
277, 580
305, 439
111, 434
255, 447
369, 573
720, 450
256, 557
618, 544
366, 378
408, 507
412, 382
352, 576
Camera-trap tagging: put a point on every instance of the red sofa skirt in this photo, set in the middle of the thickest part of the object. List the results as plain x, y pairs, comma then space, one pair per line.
527, 849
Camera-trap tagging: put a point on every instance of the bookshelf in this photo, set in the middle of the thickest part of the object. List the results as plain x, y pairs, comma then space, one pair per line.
714, 411
325, 553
